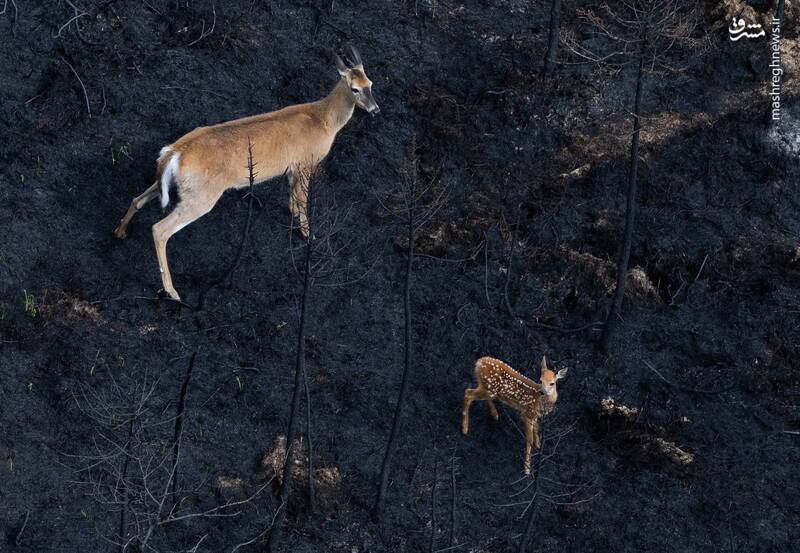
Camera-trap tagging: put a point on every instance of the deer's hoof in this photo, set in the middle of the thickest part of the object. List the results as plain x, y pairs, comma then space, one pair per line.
169, 294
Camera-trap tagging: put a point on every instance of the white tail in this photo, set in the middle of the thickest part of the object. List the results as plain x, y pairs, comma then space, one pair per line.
169, 173
210, 160
533, 400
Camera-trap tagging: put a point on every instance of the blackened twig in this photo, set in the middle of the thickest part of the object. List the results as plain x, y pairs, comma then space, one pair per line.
299, 374
123, 522
176, 437
486, 269
453, 498
531, 508
228, 276
310, 442
433, 504
510, 260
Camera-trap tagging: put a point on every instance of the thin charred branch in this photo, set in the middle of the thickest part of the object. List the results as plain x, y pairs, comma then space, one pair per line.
311, 499
451, 540
512, 246
299, 372
431, 547
123, 512
130, 473
416, 206
178, 432
300, 377
407, 359
228, 276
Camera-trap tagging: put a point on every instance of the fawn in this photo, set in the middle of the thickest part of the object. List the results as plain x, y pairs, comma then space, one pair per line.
533, 400
210, 160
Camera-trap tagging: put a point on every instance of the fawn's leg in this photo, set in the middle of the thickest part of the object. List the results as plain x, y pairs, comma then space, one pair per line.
470, 395
188, 210
136, 204
492, 409
529, 433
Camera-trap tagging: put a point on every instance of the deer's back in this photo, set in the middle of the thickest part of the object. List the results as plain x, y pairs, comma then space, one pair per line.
285, 139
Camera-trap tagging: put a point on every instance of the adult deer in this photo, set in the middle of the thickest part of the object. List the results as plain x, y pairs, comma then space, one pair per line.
533, 400
210, 160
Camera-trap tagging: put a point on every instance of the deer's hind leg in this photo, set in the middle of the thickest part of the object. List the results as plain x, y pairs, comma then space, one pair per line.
136, 204
187, 211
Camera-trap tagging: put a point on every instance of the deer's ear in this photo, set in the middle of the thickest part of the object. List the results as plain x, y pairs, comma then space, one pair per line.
561, 374
543, 366
353, 56
340, 65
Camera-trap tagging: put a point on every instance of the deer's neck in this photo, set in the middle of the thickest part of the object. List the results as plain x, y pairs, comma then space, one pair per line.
339, 105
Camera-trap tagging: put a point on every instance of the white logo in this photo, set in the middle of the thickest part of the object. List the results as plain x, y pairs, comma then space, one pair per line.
739, 29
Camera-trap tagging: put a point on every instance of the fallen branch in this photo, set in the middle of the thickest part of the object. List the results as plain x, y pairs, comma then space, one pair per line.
85, 95
18, 539
16, 14
566, 330
203, 33
685, 388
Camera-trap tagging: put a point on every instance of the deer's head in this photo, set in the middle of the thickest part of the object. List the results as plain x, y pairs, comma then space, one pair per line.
548, 380
360, 85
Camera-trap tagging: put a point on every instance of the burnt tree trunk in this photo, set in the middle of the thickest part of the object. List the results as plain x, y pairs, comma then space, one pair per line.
299, 378
630, 208
552, 39
401, 399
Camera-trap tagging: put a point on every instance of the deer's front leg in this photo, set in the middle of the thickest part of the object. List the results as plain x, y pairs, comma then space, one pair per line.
298, 201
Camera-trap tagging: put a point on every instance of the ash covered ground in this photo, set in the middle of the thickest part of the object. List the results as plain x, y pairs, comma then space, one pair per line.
695, 450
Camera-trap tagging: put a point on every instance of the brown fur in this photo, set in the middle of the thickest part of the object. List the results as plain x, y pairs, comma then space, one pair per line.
496, 380
291, 141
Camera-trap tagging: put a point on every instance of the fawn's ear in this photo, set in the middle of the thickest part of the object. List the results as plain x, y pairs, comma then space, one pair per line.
543, 365
561, 374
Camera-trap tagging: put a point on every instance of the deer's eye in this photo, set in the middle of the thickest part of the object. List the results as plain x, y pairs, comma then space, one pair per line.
355, 91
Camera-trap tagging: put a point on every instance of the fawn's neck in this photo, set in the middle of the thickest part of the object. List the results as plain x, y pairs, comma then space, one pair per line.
339, 105
542, 403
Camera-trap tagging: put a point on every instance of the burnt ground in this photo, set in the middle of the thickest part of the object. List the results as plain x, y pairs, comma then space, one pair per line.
706, 355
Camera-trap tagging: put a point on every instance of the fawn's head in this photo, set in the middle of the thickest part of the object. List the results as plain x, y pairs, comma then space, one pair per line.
360, 85
548, 379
